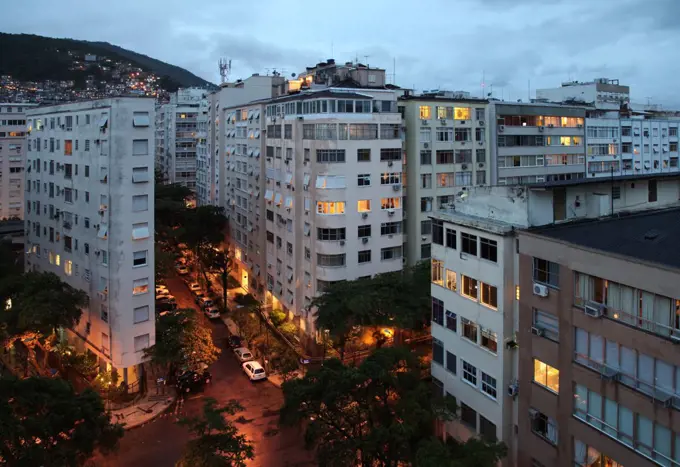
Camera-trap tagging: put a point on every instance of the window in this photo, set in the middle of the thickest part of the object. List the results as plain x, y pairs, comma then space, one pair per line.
140, 203
390, 253
330, 208
546, 272
363, 155
469, 373
544, 426
451, 283
140, 174
330, 155
437, 274
451, 362
546, 376
425, 112
444, 134
487, 429
390, 203
445, 157
438, 232
390, 154
139, 258
489, 386
461, 113
451, 321
329, 234
437, 351
288, 131
426, 157
332, 261
489, 295
426, 204
425, 250
68, 267
548, 324
364, 179
141, 314
488, 249
364, 256
451, 238
469, 287
468, 243
390, 228
140, 230
362, 131
140, 147
425, 180
464, 178
68, 147
327, 182
425, 227
139, 119
390, 178
140, 286
468, 415
141, 342
469, 329
438, 311
364, 205
489, 340
364, 231
389, 131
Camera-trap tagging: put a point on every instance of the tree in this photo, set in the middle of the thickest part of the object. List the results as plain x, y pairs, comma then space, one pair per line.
170, 208
217, 442
380, 413
218, 261
45, 422
475, 452
181, 341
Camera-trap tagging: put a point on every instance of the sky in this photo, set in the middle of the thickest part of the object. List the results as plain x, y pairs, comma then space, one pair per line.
512, 46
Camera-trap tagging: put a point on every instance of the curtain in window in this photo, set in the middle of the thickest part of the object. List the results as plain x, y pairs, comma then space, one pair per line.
628, 305
628, 366
580, 401
610, 417
582, 288
551, 431
581, 346
644, 435
662, 442
613, 296
647, 311
612, 356
595, 409
626, 426
662, 315
579, 452
645, 373
596, 353
664, 375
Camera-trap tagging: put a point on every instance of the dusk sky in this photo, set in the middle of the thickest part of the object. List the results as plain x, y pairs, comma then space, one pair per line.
446, 44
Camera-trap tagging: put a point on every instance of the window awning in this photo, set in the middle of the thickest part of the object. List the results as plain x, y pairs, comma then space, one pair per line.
103, 121
278, 199
256, 152
289, 202
268, 195
305, 182
257, 134
140, 119
140, 231
289, 178
103, 231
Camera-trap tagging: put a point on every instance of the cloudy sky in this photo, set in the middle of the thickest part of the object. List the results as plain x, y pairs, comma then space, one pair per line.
446, 44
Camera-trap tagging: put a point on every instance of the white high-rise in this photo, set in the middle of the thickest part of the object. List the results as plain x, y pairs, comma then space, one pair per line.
12, 159
89, 218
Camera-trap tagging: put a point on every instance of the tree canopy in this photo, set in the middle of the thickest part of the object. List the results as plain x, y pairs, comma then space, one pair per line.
45, 422
217, 441
380, 414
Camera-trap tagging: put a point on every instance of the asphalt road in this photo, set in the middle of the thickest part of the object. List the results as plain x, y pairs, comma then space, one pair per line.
160, 443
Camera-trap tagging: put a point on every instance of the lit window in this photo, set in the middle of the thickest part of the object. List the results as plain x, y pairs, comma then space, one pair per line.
330, 207
438, 272
489, 340
68, 147
140, 286
390, 203
68, 267
461, 113
489, 296
425, 112
546, 376
364, 205
469, 287
451, 283
57, 260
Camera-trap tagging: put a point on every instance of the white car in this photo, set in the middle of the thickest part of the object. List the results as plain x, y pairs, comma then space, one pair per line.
254, 371
212, 313
206, 303
160, 288
194, 287
182, 270
243, 354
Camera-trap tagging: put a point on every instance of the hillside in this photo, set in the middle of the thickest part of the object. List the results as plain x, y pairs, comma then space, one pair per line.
29, 57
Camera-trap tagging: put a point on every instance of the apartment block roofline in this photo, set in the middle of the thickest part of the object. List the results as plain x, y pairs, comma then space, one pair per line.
648, 236
433, 98
616, 178
101, 99
482, 223
328, 93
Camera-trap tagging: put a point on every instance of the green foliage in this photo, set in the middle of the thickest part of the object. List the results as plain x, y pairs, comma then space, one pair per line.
44, 422
434, 452
84, 363
277, 317
217, 441
204, 227
170, 209
181, 341
380, 413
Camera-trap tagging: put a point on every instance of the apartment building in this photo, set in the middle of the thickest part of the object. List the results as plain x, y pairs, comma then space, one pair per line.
473, 300
89, 219
176, 136
447, 150
598, 325
12, 159
601, 93
207, 169
537, 142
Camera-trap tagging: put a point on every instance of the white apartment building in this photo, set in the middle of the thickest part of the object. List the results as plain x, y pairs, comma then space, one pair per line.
333, 192
176, 136
89, 218
207, 167
447, 150
601, 93
12, 159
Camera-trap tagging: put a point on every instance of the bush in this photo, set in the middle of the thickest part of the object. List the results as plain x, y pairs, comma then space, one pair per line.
84, 363
288, 329
277, 317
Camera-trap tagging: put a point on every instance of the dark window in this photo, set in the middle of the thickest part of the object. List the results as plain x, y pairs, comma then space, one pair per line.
288, 131
270, 237
438, 311
451, 238
651, 190
364, 231
444, 157
363, 155
468, 415
487, 429
488, 249
425, 157
390, 154
330, 234
425, 227
437, 351
425, 250
546, 272
451, 362
438, 232
451, 321
468, 243
364, 256
270, 215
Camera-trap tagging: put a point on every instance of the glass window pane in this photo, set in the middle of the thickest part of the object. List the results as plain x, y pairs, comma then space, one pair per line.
610, 417
662, 443
625, 425
644, 435
595, 409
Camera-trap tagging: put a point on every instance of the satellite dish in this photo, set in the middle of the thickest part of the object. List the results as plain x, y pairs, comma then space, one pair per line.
292, 75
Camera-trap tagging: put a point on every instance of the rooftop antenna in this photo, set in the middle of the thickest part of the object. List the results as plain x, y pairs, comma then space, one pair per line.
483, 83
225, 69
366, 58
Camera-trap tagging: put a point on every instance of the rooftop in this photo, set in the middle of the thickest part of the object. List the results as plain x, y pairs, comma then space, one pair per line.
616, 178
650, 236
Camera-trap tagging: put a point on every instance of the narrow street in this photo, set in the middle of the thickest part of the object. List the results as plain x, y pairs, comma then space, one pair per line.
160, 443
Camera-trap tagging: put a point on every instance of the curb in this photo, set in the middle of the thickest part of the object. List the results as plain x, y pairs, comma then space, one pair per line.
128, 427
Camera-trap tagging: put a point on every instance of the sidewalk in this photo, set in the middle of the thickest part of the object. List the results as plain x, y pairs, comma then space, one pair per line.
145, 410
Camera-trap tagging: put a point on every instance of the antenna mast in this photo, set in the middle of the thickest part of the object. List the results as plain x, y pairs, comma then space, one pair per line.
225, 69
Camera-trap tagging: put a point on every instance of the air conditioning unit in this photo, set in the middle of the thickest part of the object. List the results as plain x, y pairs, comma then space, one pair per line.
579, 126
480, 123
481, 165
551, 126
364, 240
541, 129
594, 310
513, 389
390, 164
464, 167
390, 212
536, 331
423, 122
364, 215
396, 187
663, 398
442, 121
342, 243
501, 128
540, 290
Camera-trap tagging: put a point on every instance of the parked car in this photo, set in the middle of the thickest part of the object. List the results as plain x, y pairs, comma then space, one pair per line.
194, 286
212, 312
192, 381
182, 270
254, 371
166, 298
163, 294
198, 296
206, 303
162, 308
234, 342
243, 354
162, 289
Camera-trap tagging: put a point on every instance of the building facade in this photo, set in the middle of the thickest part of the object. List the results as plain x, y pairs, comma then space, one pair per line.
447, 150
13, 146
598, 326
89, 218
207, 171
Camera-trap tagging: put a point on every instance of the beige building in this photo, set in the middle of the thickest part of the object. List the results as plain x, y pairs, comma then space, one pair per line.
599, 364
13, 147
